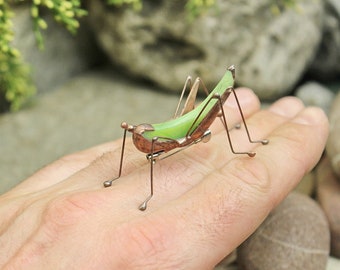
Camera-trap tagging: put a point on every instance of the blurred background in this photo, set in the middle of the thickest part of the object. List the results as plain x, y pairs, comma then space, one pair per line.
128, 60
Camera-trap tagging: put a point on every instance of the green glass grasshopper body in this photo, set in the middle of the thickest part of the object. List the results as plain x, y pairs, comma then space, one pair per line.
185, 129
190, 127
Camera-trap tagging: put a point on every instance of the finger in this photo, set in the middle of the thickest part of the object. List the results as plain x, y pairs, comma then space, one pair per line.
180, 173
177, 174
72, 167
72, 173
123, 194
70, 164
259, 125
230, 203
16, 227
62, 169
248, 102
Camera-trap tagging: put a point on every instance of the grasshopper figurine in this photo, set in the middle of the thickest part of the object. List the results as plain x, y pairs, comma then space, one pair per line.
189, 127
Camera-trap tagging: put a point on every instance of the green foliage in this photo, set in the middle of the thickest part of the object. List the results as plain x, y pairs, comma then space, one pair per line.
197, 7
280, 5
136, 4
66, 12
15, 81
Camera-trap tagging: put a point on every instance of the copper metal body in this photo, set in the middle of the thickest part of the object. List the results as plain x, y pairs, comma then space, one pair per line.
160, 145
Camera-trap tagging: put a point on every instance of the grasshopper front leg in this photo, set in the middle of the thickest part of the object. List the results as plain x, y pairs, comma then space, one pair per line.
152, 160
126, 128
152, 157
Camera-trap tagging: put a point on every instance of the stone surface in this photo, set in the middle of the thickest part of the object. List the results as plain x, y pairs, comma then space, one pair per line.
269, 51
307, 184
326, 64
84, 112
333, 143
228, 263
333, 264
226, 267
294, 236
328, 194
315, 94
64, 55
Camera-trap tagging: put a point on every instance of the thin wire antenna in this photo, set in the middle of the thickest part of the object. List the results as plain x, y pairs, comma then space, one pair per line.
191, 98
203, 86
187, 84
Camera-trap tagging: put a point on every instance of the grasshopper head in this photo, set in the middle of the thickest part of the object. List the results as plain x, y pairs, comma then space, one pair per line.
232, 70
143, 127
127, 127
137, 129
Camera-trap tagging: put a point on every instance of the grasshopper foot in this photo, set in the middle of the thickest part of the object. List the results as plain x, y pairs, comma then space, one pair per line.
108, 183
251, 154
238, 126
144, 204
264, 142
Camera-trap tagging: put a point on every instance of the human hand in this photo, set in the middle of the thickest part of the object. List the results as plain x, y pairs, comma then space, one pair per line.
207, 200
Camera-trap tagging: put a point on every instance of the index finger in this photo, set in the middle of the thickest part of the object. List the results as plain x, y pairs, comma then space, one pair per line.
68, 165
231, 202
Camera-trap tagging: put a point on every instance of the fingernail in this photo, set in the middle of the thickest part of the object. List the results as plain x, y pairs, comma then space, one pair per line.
310, 116
244, 95
287, 107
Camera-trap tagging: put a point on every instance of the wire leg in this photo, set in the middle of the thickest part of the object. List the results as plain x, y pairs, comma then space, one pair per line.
224, 121
144, 204
244, 122
108, 183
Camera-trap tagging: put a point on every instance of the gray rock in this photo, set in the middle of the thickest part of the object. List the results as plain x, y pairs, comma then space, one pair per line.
84, 112
315, 94
226, 267
64, 55
228, 263
333, 142
294, 236
328, 194
270, 51
307, 184
326, 64
333, 264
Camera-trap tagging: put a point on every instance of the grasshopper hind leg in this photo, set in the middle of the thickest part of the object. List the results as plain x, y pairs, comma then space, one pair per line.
238, 126
224, 122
